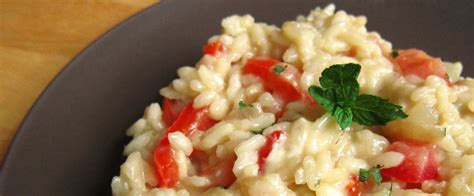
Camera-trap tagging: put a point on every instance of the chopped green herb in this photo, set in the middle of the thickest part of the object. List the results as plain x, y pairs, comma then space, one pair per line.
394, 53
339, 96
278, 69
258, 132
364, 174
390, 189
317, 183
447, 75
445, 130
261, 130
243, 105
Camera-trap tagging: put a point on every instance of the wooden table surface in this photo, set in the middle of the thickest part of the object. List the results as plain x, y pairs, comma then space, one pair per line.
37, 38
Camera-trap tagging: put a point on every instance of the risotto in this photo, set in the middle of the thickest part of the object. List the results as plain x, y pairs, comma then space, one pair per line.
319, 106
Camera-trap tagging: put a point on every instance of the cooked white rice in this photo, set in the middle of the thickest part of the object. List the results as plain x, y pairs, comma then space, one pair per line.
315, 157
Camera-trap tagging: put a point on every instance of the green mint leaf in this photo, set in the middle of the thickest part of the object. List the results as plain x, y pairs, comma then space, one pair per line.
326, 98
346, 95
340, 75
372, 111
257, 132
243, 105
394, 53
343, 117
278, 69
364, 174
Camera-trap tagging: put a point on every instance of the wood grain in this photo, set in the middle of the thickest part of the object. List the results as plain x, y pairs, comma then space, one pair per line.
37, 38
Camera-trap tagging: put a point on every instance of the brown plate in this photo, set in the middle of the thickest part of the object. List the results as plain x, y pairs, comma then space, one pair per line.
72, 140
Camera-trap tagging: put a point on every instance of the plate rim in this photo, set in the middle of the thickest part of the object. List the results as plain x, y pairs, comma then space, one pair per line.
52, 84
46, 91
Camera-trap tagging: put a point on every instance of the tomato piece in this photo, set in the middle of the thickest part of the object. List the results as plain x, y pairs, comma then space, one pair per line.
221, 173
266, 149
356, 187
188, 121
422, 162
171, 110
213, 48
417, 62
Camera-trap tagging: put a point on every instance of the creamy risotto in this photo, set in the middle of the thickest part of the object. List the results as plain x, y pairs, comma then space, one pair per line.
319, 106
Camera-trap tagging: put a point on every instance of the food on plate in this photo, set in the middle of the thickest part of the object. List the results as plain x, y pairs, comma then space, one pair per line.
319, 106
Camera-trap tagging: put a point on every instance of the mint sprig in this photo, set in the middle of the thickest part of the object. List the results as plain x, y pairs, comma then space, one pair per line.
339, 96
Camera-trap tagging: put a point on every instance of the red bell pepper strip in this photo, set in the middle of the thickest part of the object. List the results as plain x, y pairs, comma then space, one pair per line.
188, 121
265, 150
283, 85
